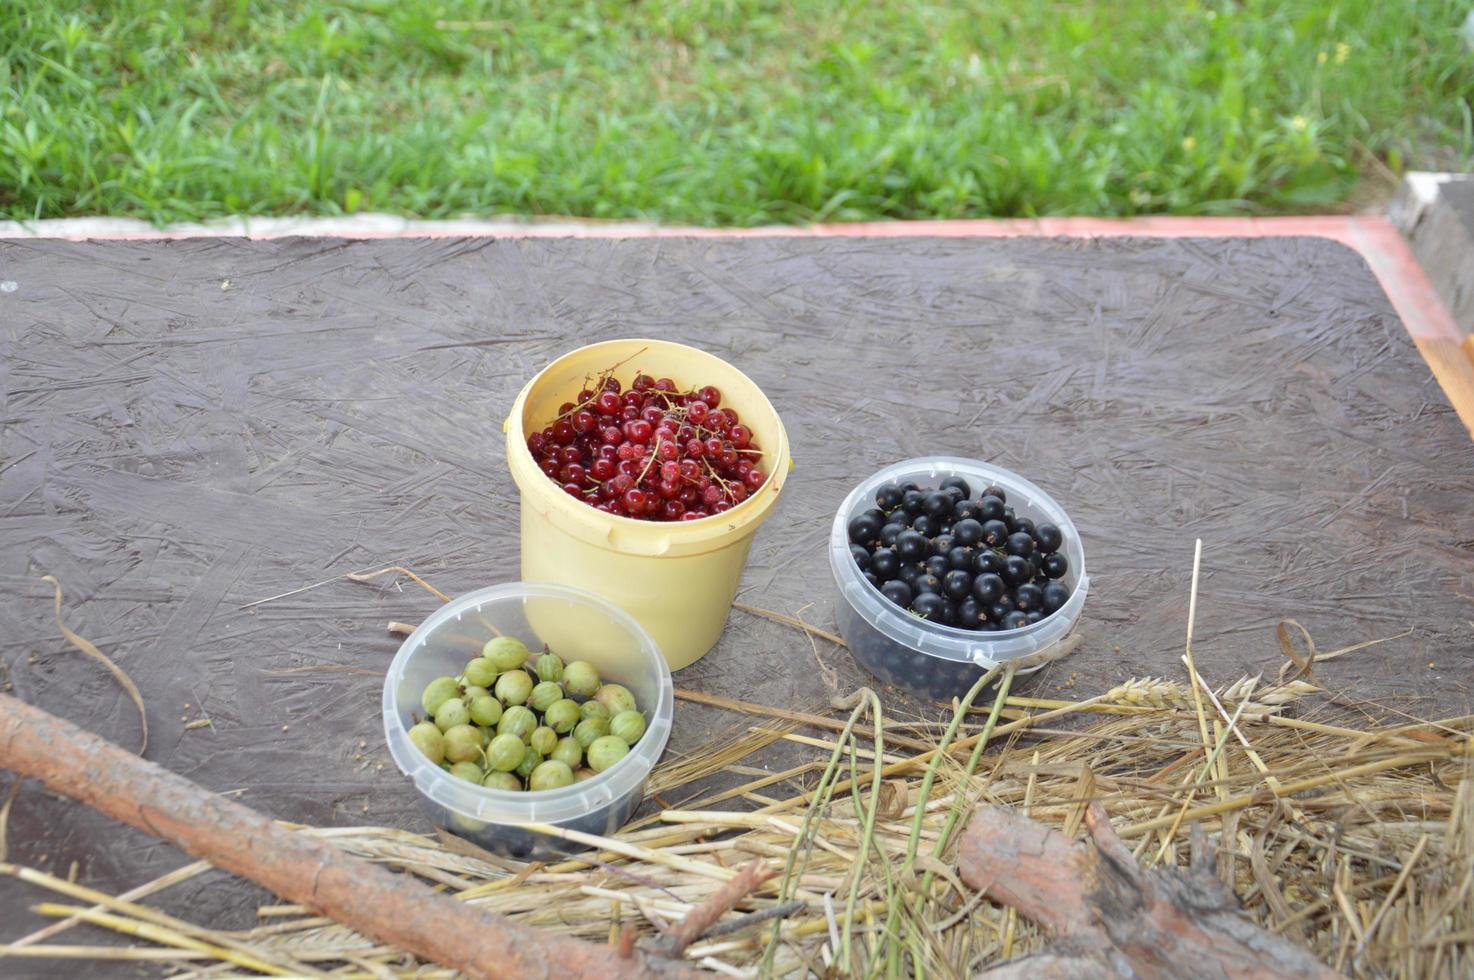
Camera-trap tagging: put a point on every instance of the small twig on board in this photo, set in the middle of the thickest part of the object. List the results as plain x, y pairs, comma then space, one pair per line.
796, 623
370, 576
87, 647
1192, 671
721, 901
753, 918
401, 629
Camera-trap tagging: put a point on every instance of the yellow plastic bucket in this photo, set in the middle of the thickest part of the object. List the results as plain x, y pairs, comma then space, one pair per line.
677, 578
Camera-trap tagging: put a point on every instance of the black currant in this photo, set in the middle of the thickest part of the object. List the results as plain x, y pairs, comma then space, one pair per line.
988, 588
1009, 519
995, 491
990, 508
936, 565
967, 531
1015, 620
943, 543
896, 591
908, 485
870, 577
949, 612
957, 482
1000, 609
899, 516
909, 573
1055, 565
937, 503
861, 555
885, 564
911, 545
888, 497
890, 533
985, 561
864, 529
1024, 525
911, 501
1048, 538
960, 558
1035, 617
1055, 596
966, 510
1016, 570
994, 533
1028, 597
969, 614
1019, 543
926, 524
928, 605
927, 583
956, 585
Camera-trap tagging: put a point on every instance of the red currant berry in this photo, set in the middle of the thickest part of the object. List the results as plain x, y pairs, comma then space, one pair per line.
607, 403
583, 421
711, 395
674, 510
602, 469
755, 478
697, 410
634, 500
638, 430
665, 384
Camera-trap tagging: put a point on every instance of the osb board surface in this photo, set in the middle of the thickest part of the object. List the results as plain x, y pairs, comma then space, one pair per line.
189, 426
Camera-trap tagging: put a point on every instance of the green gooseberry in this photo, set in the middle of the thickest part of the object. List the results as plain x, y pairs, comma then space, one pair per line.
486, 710
470, 692
589, 730
531, 759
606, 751
482, 672
452, 712
543, 739
437, 692
544, 695
469, 771
580, 679
579, 775
506, 652
615, 697
593, 709
427, 738
567, 751
551, 774
505, 753
463, 743
502, 780
628, 726
518, 721
488, 732
549, 667
562, 715
514, 687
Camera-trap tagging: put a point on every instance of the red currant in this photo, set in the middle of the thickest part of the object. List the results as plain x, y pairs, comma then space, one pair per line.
755, 478
602, 469
711, 395
607, 403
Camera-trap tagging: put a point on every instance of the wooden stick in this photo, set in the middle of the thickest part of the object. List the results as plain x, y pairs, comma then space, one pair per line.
394, 909
722, 901
1114, 919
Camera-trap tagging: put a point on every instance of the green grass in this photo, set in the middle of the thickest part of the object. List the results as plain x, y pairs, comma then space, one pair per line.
739, 112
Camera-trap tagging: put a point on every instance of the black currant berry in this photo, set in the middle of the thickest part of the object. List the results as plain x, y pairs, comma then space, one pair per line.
995, 491
960, 558
888, 497
994, 533
897, 591
911, 545
870, 577
1000, 609
926, 524
927, 583
1055, 565
1028, 597
861, 555
864, 529
988, 588
889, 533
1034, 617
936, 565
966, 510
1014, 620
990, 508
967, 531
885, 564
908, 485
985, 561
959, 483
937, 503
1016, 570
909, 573
911, 501
1019, 543
928, 605
1055, 596
943, 543
1024, 525
969, 614
956, 585
1048, 538
949, 612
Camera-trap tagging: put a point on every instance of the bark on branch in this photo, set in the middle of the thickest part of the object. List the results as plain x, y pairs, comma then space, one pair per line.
392, 908
1111, 918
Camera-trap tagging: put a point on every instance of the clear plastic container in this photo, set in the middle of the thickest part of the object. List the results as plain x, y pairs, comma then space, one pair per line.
574, 624
929, 659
